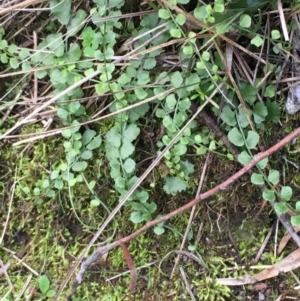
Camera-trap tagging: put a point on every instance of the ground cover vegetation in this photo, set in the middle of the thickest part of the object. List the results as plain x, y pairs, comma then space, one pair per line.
115, 113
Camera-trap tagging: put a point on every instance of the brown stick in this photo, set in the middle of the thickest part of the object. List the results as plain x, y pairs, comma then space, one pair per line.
102, 250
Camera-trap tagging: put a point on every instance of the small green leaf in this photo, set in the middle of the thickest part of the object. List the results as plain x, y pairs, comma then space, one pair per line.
159, 230
131, 132
164, 14
252, 139
236, 137
263, 163
245, 21
127, 149
180, 19
67, 133
95, 143
257, 179
286, 193
273, 111
174, 185
281, 208
297, 206
295, 220
87, 136
114, 137
140, 93
205, 56
176, 79
136, 217
228, 116
270, 91
61, 10
54, 174
201, 13
95, 203
257, 41
50, 293
171, 101
43, 284
13, 62
273, 176
74, 106
175, 33
79, 166
275, 34
260, 112
269, 195
129, 165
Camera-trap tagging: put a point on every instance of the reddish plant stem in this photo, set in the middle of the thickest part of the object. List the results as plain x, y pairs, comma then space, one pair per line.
102, 250
130, 264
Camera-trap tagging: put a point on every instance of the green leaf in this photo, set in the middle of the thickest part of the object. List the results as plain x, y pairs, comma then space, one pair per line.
131, 132
270, 91
95, 143
257, 179
54, 174
140, 93
24, 53
67, 133
127, 149
201, 13
95, 203
180, 19
176, 79
286, 193
136, 217
159, 230
273, 176
56, 44
249, 93
129, 165
269, 195
174, 185
142, 196
87, 136
164, 14
13, 62
260, 112
50, 293
252, 139
236, 137
242, 118
120, 182
43, 284
275, 34
245, 21
86, 155
76, 23
201, 150
281, 208
171, 101
257, 41
263, 163
205, 56
297, 206
273, 111
228, 116
175, 33
61, 10
74, 106
295, 220
79, 166
114, 137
